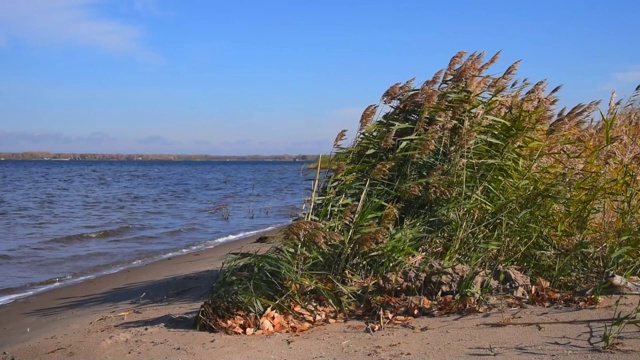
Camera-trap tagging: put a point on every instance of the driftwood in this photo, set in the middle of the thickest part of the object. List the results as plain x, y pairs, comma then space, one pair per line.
621, 285
531, 323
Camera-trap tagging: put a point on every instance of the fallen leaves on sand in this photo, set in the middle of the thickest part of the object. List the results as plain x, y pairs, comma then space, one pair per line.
273, 321
542, 294
385, 310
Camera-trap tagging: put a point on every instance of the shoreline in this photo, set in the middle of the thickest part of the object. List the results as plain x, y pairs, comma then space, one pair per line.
29, 290
31, 317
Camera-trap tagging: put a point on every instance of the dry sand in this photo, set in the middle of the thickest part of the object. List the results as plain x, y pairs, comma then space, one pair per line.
81, 321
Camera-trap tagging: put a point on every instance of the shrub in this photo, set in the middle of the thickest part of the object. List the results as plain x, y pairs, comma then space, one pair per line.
467, 168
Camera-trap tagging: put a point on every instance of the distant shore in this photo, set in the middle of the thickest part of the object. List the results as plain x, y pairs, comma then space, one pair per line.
43, 155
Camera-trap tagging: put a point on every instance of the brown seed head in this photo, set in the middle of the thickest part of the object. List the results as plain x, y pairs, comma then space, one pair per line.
499, 84
389, 139
511, 70
391, 94
380, 171
431, 83
555, 89
468, 73
426, 146
390, 215
407, 86
341, 135
370, 239
348, 214
455, 61
367, 116
612, 103
415, 189
304, 230
488, 64
430, 96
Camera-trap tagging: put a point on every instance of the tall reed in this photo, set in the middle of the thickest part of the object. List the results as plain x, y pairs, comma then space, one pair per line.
466, 168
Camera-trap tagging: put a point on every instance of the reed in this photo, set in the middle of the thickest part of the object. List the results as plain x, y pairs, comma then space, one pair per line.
469, 168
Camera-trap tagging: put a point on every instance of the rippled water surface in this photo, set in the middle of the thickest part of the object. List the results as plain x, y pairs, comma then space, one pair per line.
65, 220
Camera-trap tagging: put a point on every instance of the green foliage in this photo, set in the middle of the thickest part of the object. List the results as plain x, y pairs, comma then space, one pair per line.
613, 330
467, 168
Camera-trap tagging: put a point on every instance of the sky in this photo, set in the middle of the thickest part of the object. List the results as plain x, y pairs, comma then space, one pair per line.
273, 77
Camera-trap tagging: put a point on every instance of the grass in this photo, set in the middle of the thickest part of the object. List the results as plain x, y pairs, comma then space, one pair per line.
470, 169
617, 325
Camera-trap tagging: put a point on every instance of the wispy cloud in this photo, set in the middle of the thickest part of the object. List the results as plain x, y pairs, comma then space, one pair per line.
627, 76
100, 142
55, 141
70, 23
352, 113
623, 81
150, 7
156, 140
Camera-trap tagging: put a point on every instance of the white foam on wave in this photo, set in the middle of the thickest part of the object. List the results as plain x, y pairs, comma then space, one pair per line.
68, 280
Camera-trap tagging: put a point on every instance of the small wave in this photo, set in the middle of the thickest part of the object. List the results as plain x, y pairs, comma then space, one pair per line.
52, 281
5, 257
218, 241
90, 235
181, 230
174, 232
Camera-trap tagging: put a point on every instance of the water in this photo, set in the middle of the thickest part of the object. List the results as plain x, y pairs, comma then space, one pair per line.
66, 221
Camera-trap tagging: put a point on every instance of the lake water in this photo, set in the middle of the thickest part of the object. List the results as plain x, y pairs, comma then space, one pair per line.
67, 221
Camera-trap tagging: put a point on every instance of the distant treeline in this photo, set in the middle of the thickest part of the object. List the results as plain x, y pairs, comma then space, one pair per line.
43, 155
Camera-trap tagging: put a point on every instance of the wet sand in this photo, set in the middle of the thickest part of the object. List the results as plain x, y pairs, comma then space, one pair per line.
148, 313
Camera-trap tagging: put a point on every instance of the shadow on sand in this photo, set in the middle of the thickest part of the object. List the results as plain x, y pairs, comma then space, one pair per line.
170, 290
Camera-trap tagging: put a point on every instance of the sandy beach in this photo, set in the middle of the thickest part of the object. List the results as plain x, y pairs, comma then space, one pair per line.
147, 313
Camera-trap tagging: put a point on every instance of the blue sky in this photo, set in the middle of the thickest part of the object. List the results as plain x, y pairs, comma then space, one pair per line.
272, 77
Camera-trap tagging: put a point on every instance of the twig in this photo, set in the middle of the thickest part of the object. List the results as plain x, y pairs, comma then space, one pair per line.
315, 188
503, 324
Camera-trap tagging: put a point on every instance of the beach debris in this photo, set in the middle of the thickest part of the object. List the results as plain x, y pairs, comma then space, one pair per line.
54, 350
438, 281
508, 281
295, 320
138, 299
223, 209
542, 294
616, 284
434, 279
265, 239
123, 314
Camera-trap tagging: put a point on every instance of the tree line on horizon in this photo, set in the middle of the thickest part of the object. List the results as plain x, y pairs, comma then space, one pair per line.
44, 155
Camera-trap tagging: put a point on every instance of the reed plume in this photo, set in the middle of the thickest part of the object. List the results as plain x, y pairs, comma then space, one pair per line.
367, 116
341, 136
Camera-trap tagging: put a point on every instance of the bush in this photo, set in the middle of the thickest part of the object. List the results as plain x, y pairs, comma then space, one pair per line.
470, 169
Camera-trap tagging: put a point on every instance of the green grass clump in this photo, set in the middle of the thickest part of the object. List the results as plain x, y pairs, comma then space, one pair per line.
467, 168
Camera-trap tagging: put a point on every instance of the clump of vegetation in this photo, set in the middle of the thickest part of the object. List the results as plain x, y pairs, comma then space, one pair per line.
618, 323
464, 178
